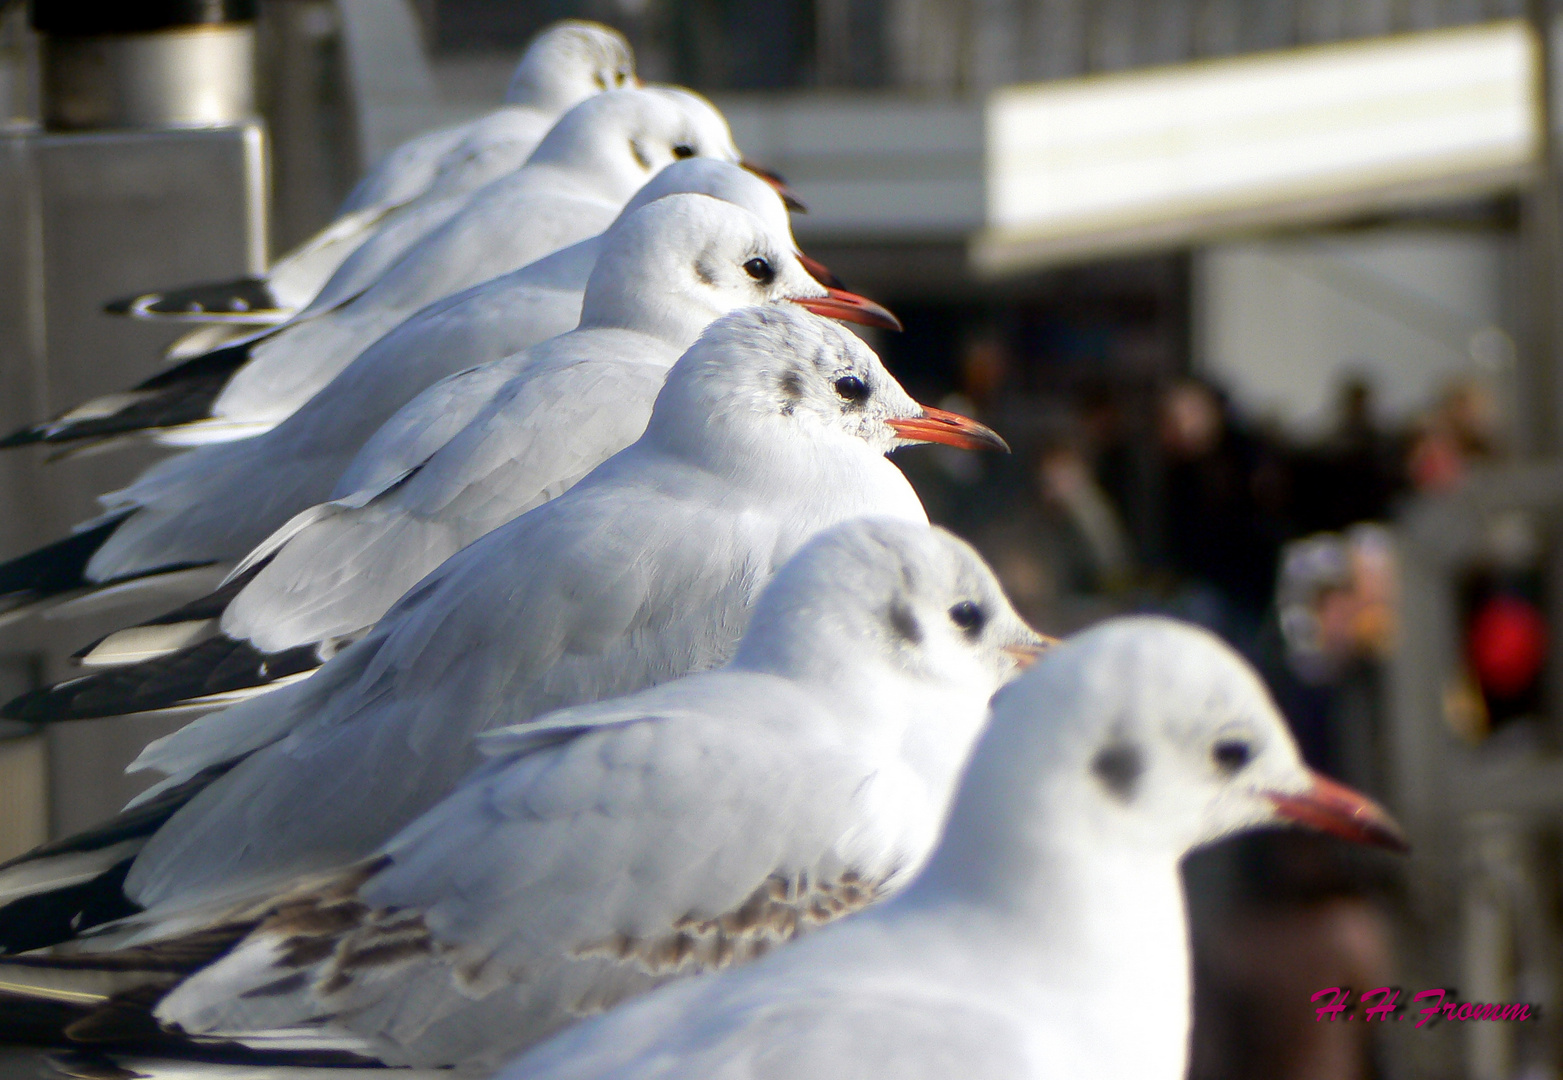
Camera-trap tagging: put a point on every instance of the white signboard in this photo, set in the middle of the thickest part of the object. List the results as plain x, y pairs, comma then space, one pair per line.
1151, 158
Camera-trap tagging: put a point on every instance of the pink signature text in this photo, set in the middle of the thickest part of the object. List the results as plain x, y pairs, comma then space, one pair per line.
1382, 1004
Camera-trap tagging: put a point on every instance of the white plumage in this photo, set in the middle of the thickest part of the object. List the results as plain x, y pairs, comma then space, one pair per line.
771, 428
1047, 936
572, 187
563, 66
216, 503
606, 849
535, 424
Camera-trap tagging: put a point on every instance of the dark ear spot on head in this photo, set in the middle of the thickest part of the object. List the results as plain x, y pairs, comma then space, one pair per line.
905, 624
791, 391
640, 155
1118, 767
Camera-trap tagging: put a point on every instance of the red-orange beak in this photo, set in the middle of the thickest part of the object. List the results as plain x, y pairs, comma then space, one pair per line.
1338, 810
1026, 655
789, 198
819, 271
952, 429
849, 307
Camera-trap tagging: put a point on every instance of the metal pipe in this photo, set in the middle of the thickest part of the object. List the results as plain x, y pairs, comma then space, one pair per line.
152, 64
173, 78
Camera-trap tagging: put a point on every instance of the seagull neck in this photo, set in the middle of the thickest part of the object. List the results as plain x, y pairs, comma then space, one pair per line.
1093, 930
586, 172
1047, 861
610, 305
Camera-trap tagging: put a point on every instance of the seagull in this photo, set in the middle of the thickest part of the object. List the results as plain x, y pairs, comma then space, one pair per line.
771, 428
564, 65
213, 504
1050, 907
575, 183
469, 454
606, 849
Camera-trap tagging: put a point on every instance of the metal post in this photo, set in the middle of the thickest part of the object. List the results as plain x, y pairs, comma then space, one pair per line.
1543, 234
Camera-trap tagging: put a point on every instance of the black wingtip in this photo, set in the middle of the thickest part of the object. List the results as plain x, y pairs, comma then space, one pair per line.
50, 916
56, 568
42, 919
239, 298
201, 609
27, 436
217, 665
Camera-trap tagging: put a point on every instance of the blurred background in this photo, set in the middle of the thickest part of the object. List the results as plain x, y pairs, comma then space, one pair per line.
1264, 294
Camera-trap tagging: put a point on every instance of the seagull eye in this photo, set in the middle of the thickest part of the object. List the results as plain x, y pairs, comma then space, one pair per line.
761, 270
1232, 754
852, 388
683, 150
969, 617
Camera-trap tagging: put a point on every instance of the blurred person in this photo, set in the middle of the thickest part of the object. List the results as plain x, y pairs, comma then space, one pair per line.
1068, 482
1052, 533
1224, 491
1352, 475
1336, 600
956, 491
1461, 429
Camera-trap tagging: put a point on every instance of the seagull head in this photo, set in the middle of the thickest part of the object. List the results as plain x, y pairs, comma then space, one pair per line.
568, 63
720, 180
897, 613
1145, 735
759, 192
764, 385
613, 142
677, 263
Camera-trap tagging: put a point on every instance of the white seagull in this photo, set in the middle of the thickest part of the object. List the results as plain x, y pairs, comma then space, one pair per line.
770, 429
606, 849
214, 504
562, 66
469, 454
575, 183
1047, 936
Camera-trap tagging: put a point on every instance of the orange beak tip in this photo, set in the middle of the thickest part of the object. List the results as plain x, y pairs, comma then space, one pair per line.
951, 429
1336, 809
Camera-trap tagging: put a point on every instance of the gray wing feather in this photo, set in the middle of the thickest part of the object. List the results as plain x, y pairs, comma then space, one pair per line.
220, 501
296, 278
562, 879
417, 430
406, 172
389, 722
507, 225
542, 432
